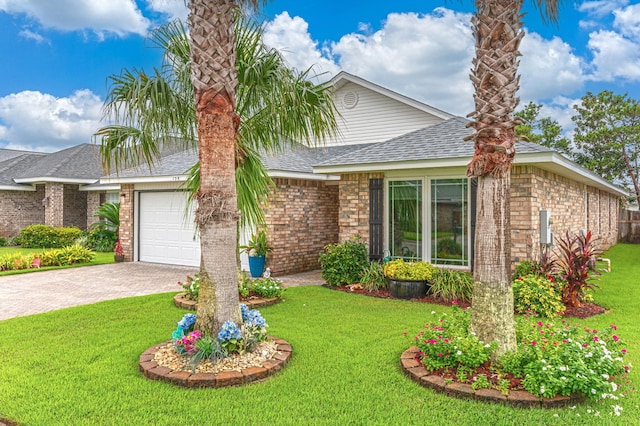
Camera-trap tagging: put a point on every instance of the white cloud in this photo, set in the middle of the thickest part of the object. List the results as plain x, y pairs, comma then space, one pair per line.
30, 35
548, 68
601, 8
38, 121
627, 20
291, 36
174, 9
103, 17
614, 56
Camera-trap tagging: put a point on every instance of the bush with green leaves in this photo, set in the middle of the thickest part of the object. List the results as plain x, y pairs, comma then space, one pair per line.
65, 256
99, 239
15, 261
46, 236
533, 293
450, 285
267, 287
566, 359
3, 242
342, 263
373, 278
446, 342
399, 269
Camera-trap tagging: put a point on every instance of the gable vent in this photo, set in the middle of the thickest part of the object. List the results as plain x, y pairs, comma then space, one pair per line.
350, 100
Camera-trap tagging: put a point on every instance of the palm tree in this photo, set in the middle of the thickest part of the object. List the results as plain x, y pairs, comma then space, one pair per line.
156, 111
275, 105
497, 28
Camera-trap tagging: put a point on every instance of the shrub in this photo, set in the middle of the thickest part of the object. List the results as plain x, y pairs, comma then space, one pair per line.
3, 242
343, 263
537, 294
452, 285
100, 239
398, 269
65, 256
543, 267
14, 261
576, 266
45, 236
566, 359
373, 277
191, 286
244, 284
267, 287
447, 343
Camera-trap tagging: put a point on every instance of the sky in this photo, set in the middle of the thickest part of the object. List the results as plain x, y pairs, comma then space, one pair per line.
57, 55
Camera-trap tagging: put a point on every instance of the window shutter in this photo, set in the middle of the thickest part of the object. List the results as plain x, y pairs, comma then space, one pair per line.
376, 214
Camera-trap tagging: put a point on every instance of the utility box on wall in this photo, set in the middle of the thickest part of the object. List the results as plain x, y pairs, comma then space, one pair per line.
546, 236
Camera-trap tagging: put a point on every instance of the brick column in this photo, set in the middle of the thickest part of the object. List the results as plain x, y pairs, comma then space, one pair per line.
126, 220
54, 204
93, 202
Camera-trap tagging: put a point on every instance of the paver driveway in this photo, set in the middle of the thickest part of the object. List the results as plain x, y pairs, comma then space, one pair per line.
36, 292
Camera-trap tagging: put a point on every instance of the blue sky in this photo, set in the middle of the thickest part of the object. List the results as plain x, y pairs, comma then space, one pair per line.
58, 54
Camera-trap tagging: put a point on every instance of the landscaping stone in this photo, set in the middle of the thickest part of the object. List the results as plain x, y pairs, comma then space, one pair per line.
181, 301
152, 371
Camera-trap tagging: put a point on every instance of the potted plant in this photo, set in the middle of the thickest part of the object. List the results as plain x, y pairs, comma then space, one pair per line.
257, 249
408, 280
118, 252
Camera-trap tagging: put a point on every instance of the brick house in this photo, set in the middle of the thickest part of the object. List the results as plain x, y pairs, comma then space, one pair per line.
55, 189
396, 176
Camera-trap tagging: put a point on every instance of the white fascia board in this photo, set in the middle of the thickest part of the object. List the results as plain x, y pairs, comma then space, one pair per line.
300, 175
561, 165
142, 179
398, 165
54, 180
99, 187
30, 188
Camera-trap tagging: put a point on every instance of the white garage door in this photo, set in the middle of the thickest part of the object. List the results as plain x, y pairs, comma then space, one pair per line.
166, 234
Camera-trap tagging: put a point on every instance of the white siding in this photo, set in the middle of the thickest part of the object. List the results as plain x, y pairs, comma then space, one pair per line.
375, 117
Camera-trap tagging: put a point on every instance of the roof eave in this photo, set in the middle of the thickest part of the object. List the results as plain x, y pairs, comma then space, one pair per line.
143, 179
35, 180
284, 174
29, 188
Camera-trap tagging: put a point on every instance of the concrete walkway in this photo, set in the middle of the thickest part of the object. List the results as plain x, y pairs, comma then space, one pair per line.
32, 293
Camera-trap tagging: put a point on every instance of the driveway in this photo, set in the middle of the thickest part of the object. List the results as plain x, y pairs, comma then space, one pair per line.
36, 292
32, 293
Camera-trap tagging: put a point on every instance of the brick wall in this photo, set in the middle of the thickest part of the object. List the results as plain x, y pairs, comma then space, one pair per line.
126, 220
574, 207
54, 204
94, 200
75, 207
354, 205
302, 217
19, 209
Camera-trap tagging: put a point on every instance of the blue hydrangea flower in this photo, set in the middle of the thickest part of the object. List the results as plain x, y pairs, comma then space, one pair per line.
254, 318
229, 331
244, 310
187, 321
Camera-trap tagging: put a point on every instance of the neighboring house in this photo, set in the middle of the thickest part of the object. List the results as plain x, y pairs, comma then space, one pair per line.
396, 176
53, 189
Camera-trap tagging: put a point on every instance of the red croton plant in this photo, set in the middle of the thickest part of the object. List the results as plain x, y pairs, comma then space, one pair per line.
576, 265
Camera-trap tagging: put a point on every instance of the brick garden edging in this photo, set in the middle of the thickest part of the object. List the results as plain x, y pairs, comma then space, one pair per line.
414, 369
152, 371
181, 301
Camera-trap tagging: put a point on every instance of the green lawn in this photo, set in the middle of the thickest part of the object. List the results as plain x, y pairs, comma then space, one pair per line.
79, 365
99, 259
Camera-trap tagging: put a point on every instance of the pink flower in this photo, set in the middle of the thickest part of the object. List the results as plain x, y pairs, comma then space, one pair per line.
539, 323
455, 302
585, 345
614, 326
595, 338
439, 354
624, 351
615, 338
534, 343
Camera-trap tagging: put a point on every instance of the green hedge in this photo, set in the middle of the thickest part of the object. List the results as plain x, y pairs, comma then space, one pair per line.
45, 236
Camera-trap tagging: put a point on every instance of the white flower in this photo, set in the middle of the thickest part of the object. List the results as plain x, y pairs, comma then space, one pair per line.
562, 368
605, 376
487, 345
433, 312
617, 409
460, 353
541, 390
614, 386
593, 391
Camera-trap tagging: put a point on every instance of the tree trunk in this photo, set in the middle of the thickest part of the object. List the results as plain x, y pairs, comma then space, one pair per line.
214, 78
492, 316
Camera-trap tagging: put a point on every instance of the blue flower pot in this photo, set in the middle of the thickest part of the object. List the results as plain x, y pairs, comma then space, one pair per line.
256, 266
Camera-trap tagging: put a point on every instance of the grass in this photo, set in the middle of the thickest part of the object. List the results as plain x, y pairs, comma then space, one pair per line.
100, 258
79, 365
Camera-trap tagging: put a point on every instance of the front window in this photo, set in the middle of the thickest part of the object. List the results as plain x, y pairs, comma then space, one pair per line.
449, 222
405, 219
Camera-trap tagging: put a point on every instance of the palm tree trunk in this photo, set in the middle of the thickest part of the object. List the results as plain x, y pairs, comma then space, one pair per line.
497, 27
214, 77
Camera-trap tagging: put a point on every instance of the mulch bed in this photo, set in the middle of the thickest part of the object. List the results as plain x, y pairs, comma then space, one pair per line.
585, 310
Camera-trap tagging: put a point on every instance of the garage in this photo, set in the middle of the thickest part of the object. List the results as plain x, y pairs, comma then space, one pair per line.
165, 233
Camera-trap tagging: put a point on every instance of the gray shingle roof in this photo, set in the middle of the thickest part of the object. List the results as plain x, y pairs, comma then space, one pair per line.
176, 163
302, 159
78, 162
17, 166
437, 142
